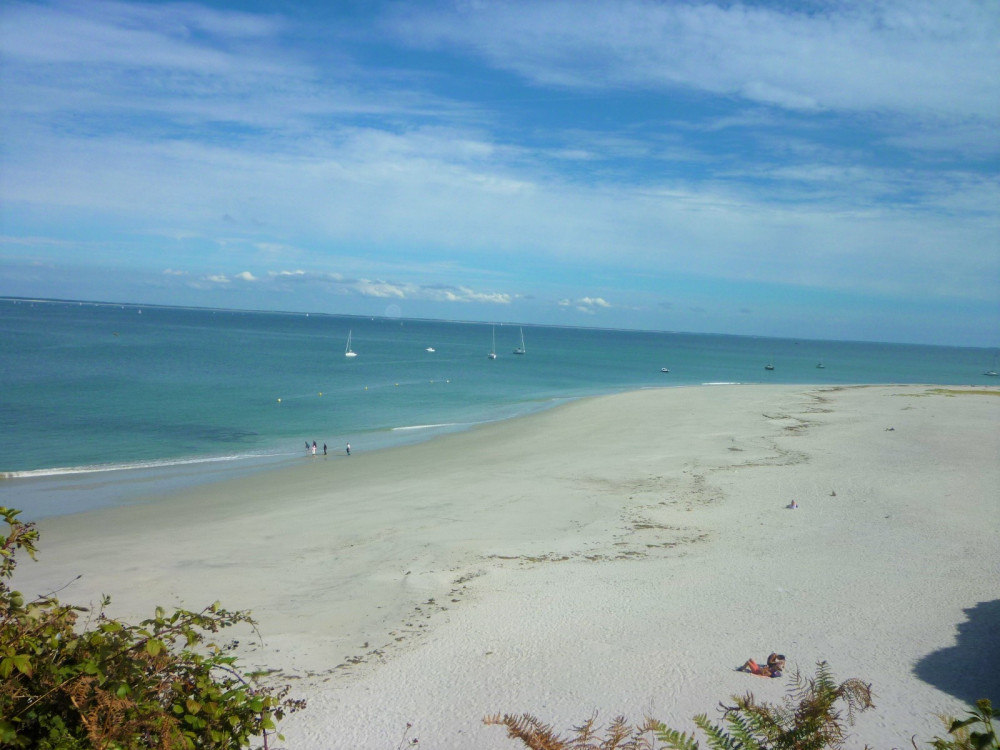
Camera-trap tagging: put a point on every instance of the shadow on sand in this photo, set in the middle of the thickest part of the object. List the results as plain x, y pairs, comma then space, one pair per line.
970, 669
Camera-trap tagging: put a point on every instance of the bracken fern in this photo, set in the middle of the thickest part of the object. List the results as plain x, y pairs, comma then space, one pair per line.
807, 719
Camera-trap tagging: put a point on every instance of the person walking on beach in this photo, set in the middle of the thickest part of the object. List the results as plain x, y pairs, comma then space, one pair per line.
307, 446
348, 449
324, 449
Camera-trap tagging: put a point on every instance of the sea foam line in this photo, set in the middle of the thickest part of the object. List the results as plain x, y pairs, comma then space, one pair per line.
152, 464
427, 426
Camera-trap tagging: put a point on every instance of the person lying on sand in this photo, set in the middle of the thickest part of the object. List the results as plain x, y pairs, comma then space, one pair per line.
775, 664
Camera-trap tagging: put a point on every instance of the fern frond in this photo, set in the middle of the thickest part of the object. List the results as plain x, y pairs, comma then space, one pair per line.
674, 739
584, 734
646, 733
857, 695
618, 732
718, 738
530, 730
743, 731
824, 682
761, 720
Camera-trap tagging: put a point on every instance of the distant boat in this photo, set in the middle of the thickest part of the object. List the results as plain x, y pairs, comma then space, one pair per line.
769, 365
820, 366
348, 352
992, 372
521, 349
664, 369
430, 349
493, 351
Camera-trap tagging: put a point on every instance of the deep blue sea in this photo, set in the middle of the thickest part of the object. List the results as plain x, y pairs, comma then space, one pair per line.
105, 404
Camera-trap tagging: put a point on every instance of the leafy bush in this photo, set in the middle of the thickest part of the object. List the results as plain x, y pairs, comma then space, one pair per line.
975, 732
115, 686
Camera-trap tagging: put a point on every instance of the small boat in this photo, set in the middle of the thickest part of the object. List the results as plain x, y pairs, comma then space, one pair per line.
348, 352
769, 365
521, 349
820, 366
664, 369
993, 371
493, 351
430, 349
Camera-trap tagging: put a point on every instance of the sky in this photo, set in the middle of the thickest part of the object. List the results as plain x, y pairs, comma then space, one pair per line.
821, 170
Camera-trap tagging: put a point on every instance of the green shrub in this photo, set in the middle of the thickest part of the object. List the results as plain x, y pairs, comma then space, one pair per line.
103, 683
975, 732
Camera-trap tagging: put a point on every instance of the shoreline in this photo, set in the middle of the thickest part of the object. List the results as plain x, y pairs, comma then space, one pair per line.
82, 489
620, 553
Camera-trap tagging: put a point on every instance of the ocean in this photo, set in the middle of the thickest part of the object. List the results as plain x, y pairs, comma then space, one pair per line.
105, 404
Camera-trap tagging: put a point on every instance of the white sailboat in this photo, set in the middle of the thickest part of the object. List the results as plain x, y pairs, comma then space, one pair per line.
521, 349
992, 372
347, 351
493, 351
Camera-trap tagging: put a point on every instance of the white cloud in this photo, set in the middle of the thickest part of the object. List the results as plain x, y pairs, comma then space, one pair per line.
218, 278
461, 294
586, 305
246, 276
912, 56
379, 289
132, 34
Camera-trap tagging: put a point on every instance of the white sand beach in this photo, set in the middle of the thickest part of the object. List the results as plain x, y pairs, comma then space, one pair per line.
621, 554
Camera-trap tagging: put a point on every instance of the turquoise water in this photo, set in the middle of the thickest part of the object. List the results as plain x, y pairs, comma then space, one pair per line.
106, 403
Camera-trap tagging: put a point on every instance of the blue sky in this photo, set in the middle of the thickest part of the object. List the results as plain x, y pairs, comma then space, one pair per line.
811, 170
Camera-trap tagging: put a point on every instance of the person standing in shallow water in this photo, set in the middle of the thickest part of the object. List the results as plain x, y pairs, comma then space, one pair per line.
348, 449
324, 449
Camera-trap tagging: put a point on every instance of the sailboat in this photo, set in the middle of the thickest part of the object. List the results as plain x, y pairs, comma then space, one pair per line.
347, 351
769, 365
493, 351
993, 372
521, 349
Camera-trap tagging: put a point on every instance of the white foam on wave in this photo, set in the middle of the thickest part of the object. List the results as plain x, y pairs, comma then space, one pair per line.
426, 426
137, 465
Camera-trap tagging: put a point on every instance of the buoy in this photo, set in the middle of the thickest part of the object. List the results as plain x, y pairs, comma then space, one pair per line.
321, 393
279, 400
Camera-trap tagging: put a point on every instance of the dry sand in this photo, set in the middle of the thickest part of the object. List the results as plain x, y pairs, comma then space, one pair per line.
621, 554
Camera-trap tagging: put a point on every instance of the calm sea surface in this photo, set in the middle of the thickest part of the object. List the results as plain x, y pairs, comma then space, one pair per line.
110, 404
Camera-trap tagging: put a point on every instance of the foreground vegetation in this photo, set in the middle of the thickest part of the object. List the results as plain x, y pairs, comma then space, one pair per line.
106, 684
811, 717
